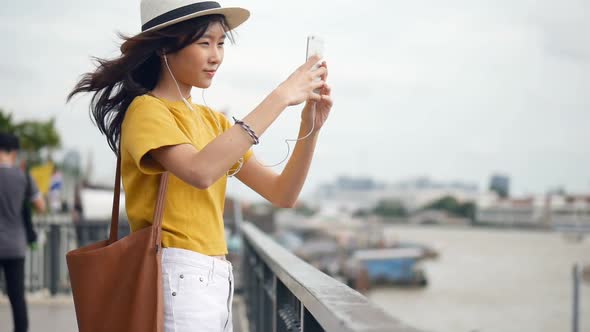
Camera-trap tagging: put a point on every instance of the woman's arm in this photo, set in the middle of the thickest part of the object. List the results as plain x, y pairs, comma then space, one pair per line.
203, 168
284, 189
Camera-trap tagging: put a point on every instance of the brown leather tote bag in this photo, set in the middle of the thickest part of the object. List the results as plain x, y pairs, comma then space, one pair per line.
117, 284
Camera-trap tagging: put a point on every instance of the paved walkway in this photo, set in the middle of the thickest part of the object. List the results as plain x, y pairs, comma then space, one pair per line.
47, 314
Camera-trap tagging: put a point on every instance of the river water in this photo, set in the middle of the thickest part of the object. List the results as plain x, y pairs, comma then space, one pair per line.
491, 280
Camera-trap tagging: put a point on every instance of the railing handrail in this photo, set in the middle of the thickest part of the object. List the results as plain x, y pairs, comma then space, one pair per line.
334, 305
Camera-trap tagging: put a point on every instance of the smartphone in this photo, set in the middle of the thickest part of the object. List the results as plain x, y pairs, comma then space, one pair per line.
315, 45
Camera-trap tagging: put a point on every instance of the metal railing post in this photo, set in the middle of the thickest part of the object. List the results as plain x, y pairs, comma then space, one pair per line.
576, 299
54, 259
274, 304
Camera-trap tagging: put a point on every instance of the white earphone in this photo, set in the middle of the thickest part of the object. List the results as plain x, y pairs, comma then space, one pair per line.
190, 107
241, 160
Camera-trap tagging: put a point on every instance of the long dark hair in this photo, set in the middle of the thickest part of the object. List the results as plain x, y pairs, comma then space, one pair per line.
118, 81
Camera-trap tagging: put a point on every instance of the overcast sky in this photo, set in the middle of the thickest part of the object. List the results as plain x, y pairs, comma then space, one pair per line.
454, 90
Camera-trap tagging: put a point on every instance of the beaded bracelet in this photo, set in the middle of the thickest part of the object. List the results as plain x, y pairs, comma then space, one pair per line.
248, 130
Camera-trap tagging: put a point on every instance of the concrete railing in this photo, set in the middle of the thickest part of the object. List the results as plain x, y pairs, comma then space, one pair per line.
284, 293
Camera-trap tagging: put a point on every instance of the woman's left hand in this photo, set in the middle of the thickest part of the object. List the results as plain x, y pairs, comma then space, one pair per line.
322, 107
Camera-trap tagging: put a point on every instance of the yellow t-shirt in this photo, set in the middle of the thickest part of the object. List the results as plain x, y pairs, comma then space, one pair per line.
193, 218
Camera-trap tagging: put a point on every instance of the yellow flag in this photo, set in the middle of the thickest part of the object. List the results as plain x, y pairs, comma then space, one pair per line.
42, 176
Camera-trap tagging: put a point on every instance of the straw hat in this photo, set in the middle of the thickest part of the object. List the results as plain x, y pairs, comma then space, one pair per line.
157, 14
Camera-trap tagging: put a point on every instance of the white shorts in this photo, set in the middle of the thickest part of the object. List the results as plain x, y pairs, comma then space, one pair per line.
198, 292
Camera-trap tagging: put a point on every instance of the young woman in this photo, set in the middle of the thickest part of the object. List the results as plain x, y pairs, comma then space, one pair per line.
142, 104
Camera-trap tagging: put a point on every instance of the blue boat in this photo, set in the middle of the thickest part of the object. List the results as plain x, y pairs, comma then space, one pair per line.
398, 265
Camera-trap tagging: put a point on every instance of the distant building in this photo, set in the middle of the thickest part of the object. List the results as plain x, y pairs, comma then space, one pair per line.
500, 184
496, 210
347, 195
569, 211
417, 193
551, 210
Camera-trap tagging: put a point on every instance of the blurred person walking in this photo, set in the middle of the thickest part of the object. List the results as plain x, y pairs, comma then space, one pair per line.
17, 190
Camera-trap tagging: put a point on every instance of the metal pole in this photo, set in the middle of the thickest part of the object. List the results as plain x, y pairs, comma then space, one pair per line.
54, 244
576, 309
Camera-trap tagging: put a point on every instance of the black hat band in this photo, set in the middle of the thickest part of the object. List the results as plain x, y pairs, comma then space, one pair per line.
180, 12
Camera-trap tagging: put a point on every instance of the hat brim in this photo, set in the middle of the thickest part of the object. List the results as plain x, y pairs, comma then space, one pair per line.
234, 17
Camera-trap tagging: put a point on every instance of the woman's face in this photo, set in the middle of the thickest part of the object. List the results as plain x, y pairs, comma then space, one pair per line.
197, 63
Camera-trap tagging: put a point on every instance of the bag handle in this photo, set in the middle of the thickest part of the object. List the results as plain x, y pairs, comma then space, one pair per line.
158, 212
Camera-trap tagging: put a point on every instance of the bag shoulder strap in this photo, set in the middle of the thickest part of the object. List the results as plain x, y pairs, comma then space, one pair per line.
158, 212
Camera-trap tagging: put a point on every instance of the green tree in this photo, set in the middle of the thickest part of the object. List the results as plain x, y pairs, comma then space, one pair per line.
390, 208
451, 205
467, 210
34, 135
6, 124
446, 203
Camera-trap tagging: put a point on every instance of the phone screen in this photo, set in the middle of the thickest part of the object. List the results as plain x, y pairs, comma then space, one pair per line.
315, 45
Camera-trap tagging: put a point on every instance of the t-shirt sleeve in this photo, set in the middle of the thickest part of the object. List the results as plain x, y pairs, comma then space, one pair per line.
226, 125
149, 125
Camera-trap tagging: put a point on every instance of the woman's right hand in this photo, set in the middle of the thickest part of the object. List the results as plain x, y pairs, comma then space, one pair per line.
301, 83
